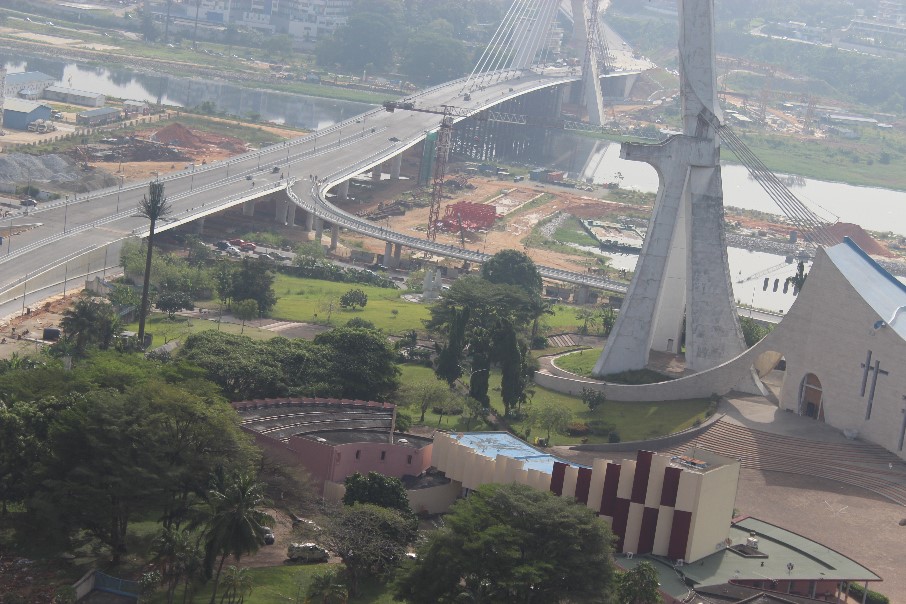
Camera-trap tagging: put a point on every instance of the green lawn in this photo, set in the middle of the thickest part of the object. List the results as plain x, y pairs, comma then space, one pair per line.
633, 421
580, 363
309, 300
165, 330
283, 584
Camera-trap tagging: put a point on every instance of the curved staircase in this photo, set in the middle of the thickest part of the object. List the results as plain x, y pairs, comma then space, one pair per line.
856, 463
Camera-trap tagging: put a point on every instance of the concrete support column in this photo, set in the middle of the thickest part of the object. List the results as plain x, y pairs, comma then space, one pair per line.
309, 221
388, 253
343, 190
319, 229
397, 253
376, 173
248, 208
199, 226
334, 236
582, 295
291, 214
280, 211
395, 164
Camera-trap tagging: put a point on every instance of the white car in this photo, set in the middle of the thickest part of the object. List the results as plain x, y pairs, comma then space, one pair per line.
306, 552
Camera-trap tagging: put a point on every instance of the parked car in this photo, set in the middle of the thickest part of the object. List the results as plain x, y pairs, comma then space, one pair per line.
222, 245
28, 202
268, 536
306, 552
279, 257
233, 251
394, 139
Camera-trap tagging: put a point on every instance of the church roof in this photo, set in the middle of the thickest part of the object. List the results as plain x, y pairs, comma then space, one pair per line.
880, 290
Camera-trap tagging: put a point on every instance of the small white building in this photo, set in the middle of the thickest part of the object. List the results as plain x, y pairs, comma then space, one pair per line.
74, 96
28, 84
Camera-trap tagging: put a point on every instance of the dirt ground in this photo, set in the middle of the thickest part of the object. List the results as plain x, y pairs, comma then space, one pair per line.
518, 224
21, 334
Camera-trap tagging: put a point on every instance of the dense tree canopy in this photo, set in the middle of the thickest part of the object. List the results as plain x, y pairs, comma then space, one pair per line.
112, 440
377, 489
431, 41
371, 540
512, 267
512, 543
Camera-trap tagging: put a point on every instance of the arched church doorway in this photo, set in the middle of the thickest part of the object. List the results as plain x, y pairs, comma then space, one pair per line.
811, 397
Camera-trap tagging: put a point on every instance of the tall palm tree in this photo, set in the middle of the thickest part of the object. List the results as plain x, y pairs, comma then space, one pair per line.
328, 588
153, 207
237, 524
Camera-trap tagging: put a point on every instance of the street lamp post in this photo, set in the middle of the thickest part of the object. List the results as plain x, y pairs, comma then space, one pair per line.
122, 178
65, 213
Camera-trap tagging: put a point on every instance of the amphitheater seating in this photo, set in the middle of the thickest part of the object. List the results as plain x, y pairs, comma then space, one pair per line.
856, 463
282, 419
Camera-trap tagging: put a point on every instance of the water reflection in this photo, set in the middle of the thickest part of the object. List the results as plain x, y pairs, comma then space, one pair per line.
283, 108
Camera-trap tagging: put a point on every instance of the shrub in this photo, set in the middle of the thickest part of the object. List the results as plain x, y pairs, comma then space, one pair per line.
599, 427
613, 437
873, 597
577, 429
539, 343
637, 377
446, 411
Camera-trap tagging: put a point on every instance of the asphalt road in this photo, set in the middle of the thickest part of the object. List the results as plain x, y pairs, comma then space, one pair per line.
71, 234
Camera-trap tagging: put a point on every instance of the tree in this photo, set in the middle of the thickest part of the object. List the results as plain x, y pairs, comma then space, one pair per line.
512, 543
90, 322
236, 525
449, 360
593, 398
434, 56
550, 417
589, 318
245, 310
154, 208
237, 584
172, 302
752, 330
223, 277
423, 394
370, 540
177, 553
255, 281
123, 296
377, 489
798, 280
512, 267
362, 363
327, 587
639, 585
354, 298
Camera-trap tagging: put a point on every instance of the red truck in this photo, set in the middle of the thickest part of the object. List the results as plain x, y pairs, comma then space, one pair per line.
245, 246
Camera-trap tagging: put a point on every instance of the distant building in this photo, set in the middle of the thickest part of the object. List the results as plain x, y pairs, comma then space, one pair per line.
29, 84
97, 117
19, 113
132, 108
312, 20
74, 96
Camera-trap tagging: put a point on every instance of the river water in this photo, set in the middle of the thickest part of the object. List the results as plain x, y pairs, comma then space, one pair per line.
295, 110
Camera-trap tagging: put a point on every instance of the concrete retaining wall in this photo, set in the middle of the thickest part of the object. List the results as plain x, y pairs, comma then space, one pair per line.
661, 443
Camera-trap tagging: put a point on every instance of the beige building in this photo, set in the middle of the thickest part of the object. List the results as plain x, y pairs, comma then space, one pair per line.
679, 507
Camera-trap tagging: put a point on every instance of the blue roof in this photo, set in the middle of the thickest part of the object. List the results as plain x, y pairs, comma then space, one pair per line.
880, 290
27, 77
492, 444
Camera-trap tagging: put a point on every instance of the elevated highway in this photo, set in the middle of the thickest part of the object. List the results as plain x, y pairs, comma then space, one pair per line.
70, 238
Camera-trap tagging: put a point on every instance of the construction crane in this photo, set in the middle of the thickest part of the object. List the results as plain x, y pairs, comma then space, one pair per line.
764, 273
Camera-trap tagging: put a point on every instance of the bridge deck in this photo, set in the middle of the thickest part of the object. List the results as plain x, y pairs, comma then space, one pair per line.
88, 224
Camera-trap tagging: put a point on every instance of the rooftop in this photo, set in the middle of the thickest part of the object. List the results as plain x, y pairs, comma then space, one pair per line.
881, 290
788, 555
75, 91
21, 105
492, 444
27, 77
99, 111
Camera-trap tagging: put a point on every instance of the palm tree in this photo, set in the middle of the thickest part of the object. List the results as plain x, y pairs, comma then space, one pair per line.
89, 321
328, 588
798, 280
176, 552
236, 526
237, 583
153, 208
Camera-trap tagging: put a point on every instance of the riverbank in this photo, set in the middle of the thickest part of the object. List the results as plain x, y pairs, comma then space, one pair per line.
877, 159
